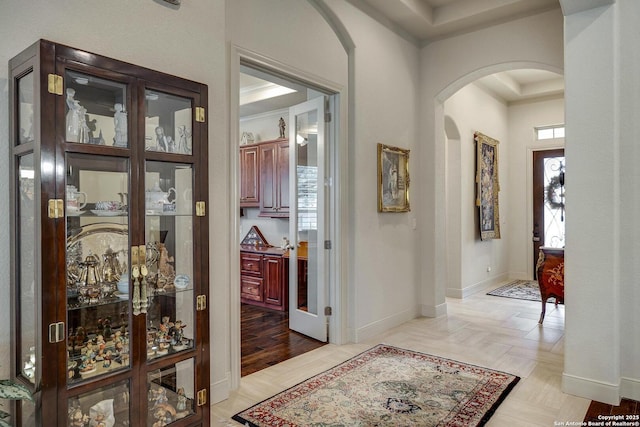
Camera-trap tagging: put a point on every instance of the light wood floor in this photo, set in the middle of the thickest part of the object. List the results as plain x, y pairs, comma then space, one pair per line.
494, 332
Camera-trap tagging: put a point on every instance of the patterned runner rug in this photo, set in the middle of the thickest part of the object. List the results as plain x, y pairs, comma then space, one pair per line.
519, 289
387, 386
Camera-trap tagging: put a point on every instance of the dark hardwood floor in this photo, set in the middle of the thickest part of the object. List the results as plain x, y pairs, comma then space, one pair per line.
626, 407
267, 340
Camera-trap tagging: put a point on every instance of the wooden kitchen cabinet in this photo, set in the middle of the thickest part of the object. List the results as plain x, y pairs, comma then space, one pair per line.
249, 177
274, 178
262, 280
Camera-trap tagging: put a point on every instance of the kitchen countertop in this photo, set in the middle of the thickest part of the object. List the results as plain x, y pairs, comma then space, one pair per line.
274, 250
266, 250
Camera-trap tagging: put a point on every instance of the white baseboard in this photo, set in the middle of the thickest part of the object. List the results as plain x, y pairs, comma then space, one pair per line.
220, 390
433, 310
591, 389
630, 388
477, 287
383, 325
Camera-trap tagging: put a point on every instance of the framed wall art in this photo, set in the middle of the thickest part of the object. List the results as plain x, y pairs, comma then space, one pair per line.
393, 179
488, 186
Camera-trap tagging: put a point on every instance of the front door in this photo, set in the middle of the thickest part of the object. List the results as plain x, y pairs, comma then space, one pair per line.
307, 278
548, 200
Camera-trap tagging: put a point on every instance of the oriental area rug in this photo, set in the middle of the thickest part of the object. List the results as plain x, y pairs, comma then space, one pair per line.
519, 289
387, 386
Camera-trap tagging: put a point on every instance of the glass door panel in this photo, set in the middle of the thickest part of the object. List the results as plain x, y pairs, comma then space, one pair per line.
25, 269
97, 259
104, 406
96, 110
307, 288
170, 258
554, 202
168, 123
171, 393
25, 109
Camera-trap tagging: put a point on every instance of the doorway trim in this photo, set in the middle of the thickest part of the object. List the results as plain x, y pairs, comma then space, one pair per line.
338, 155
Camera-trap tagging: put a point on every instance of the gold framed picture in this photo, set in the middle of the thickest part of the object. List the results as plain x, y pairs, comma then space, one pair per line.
488, 186
393, 179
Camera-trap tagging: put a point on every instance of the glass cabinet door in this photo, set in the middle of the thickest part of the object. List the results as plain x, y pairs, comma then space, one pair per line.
97, 258
104, 406
95, 110
168, 123
171, 393
170, 258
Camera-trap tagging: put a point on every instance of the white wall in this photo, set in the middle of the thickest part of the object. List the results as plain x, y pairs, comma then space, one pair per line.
473, 109
523, 118
447, 66
629, 178
602, 345
384, 258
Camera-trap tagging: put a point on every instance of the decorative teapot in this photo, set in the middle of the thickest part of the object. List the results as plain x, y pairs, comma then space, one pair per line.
156, 199
89, 273
111, 269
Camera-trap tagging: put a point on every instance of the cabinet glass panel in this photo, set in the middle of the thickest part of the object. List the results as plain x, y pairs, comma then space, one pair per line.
98, 315
25, 269
105, 406
171, 393
25, 109
168, 124
170, 258
96, 110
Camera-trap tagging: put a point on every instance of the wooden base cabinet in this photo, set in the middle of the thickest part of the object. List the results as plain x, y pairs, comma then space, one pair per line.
262, 280
109, 242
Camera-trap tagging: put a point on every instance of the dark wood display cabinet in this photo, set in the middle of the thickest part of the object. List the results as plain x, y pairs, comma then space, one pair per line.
109, 231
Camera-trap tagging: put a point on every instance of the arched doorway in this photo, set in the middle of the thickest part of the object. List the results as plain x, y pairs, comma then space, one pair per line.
472, 265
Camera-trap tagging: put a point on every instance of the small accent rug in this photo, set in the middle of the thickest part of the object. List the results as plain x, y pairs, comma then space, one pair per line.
387, 386
519, 289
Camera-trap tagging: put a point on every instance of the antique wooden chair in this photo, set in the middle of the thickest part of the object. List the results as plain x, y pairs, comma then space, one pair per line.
550, 273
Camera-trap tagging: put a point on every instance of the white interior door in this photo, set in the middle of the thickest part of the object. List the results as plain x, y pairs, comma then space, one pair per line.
307, 277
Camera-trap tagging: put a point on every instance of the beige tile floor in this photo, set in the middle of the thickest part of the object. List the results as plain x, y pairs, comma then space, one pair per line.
494, 332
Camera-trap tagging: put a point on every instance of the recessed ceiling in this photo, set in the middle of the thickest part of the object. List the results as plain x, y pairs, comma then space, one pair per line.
424, 21
523, 85
261, 92
429, 20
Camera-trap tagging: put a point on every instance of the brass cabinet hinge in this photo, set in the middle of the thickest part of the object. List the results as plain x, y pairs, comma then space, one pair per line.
56, 208
201, 208
56, 332
55, 84
202, 397
200, 114
201, 302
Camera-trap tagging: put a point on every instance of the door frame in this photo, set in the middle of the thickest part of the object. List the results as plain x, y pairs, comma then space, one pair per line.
337, 213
